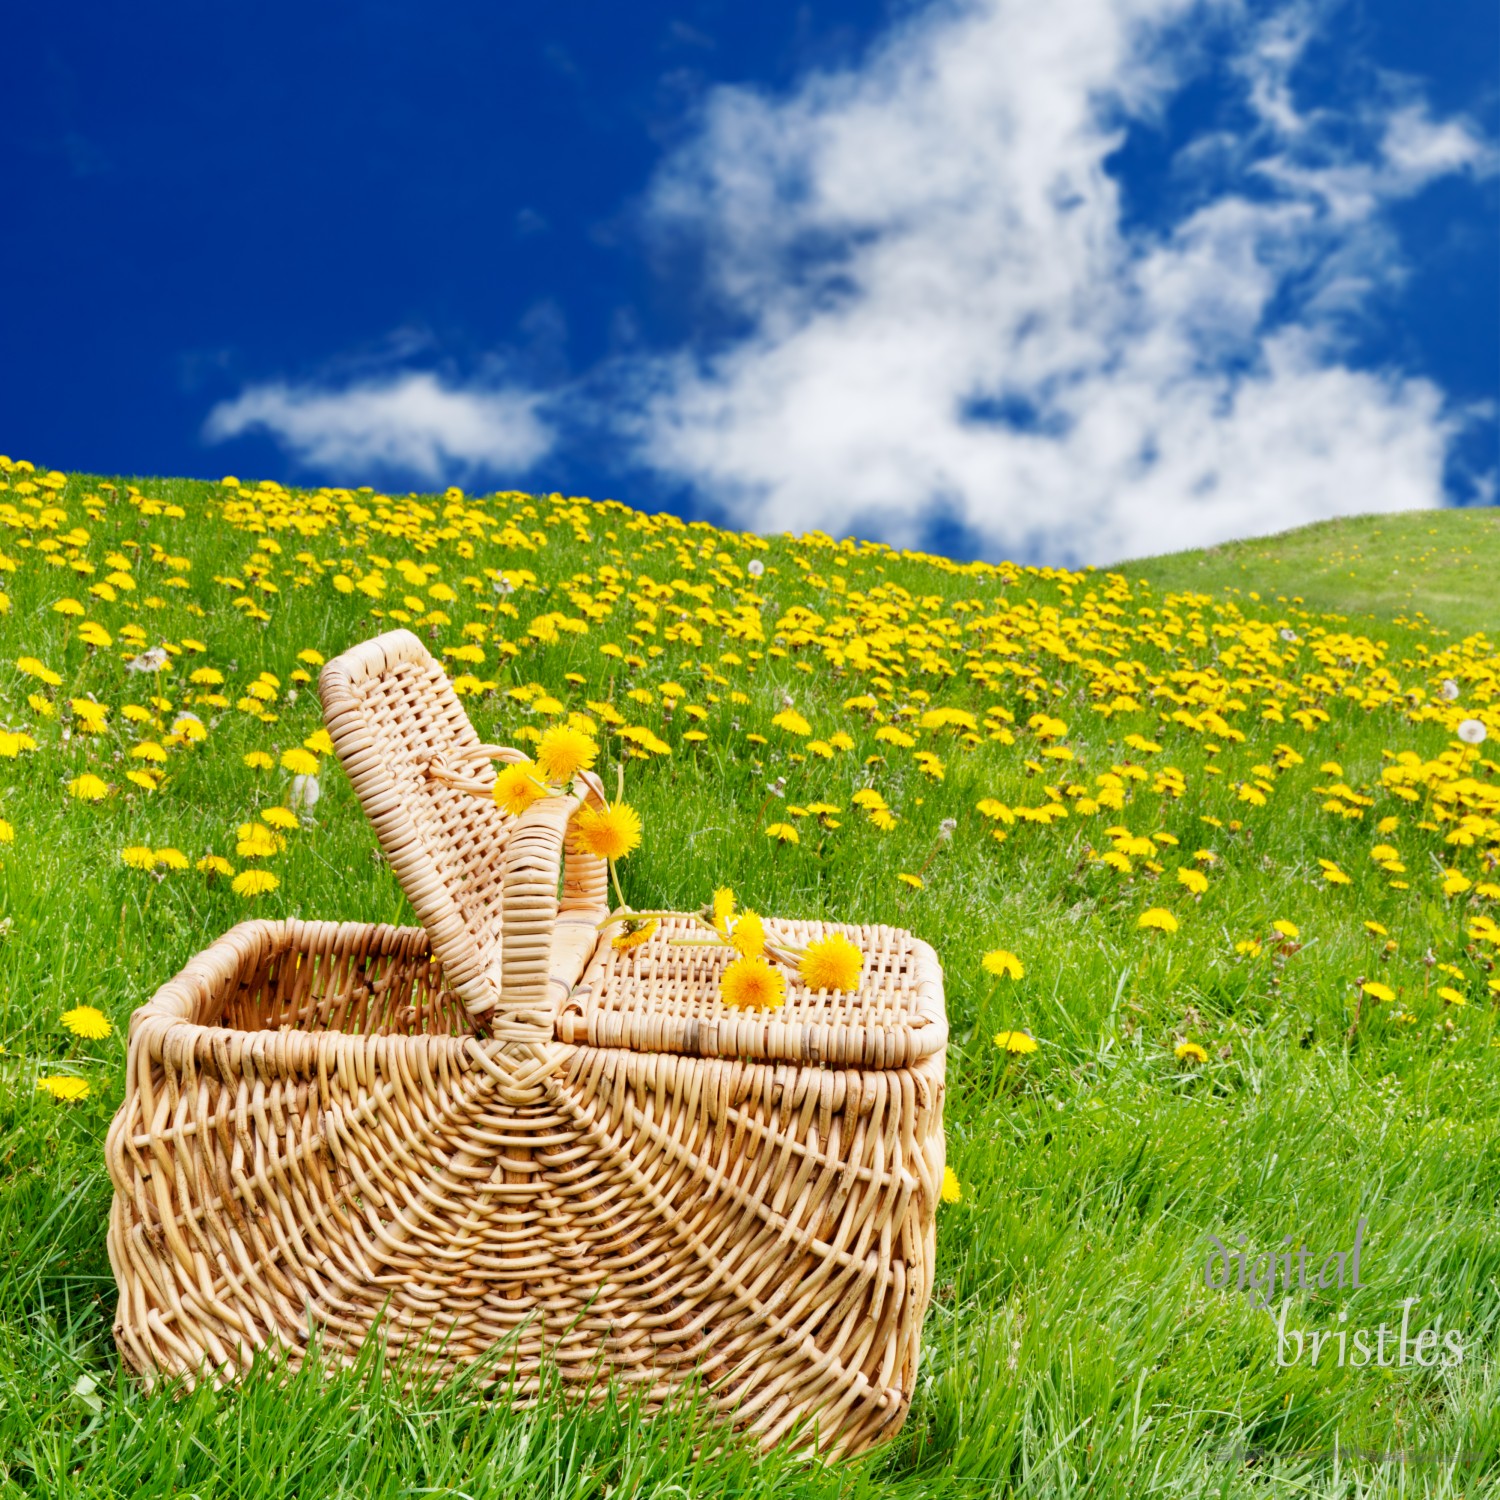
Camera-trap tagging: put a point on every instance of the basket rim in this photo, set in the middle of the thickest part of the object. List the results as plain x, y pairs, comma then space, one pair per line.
174, 1011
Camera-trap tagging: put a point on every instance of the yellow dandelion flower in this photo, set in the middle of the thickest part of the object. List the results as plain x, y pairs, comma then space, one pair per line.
1455, 883
563, 752
38, 669
1191, 1052
951, 1190
1377, 991
793, 722
517, 787
1017, 1042
633, 934
215, 864
69, 1090
1004, 964
831, 963
914, 881
280, 817
752, 984
1158, 918
783, 833
1287, 929
7, 832
1249, 947
258, 760
256, 841
612, 833
1194, 880
299, 762
86, 1021
254, 883
173, 859
89, 788
138, 857
1452, 996
748, 935
723, 906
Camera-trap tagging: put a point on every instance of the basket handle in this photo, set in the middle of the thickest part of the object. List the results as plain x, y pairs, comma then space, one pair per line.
437, 768
538, 845
541, 844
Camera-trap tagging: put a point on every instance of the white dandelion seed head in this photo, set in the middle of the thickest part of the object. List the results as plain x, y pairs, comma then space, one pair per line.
305, 792
148, 661
947, 828
755, 567
1288, 634
1473, 732
1449, 690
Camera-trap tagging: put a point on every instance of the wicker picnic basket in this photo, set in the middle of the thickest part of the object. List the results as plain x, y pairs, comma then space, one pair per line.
496, 1137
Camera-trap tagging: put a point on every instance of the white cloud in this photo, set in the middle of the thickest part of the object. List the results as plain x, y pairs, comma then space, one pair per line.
408, 423
948, 314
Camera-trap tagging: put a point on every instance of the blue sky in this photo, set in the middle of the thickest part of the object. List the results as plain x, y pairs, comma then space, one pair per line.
1065, 283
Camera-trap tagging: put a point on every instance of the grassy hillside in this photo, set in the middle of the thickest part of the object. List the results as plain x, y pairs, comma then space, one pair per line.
1437, 569
1243, 853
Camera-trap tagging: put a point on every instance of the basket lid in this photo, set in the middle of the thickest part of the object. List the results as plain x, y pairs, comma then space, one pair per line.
390, 710
483, 883
661, 997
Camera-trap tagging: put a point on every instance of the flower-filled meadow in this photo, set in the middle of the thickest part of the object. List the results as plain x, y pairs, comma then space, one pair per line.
1214, 876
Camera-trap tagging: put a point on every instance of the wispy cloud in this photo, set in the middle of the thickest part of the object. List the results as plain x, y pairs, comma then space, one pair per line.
409, 423
948, 315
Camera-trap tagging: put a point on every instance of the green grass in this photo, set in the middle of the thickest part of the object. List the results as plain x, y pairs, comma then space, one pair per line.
1072, 1348
1441, 565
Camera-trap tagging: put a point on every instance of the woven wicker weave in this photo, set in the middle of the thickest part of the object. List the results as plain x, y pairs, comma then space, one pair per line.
483, 883
626, 1177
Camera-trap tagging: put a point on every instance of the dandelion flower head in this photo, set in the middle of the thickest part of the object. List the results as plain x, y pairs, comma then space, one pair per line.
752, 984
87, 1021
831, 963
611, 832
564, 752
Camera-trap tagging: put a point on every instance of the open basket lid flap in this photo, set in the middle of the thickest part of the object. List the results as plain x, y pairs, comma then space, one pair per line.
391, 711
